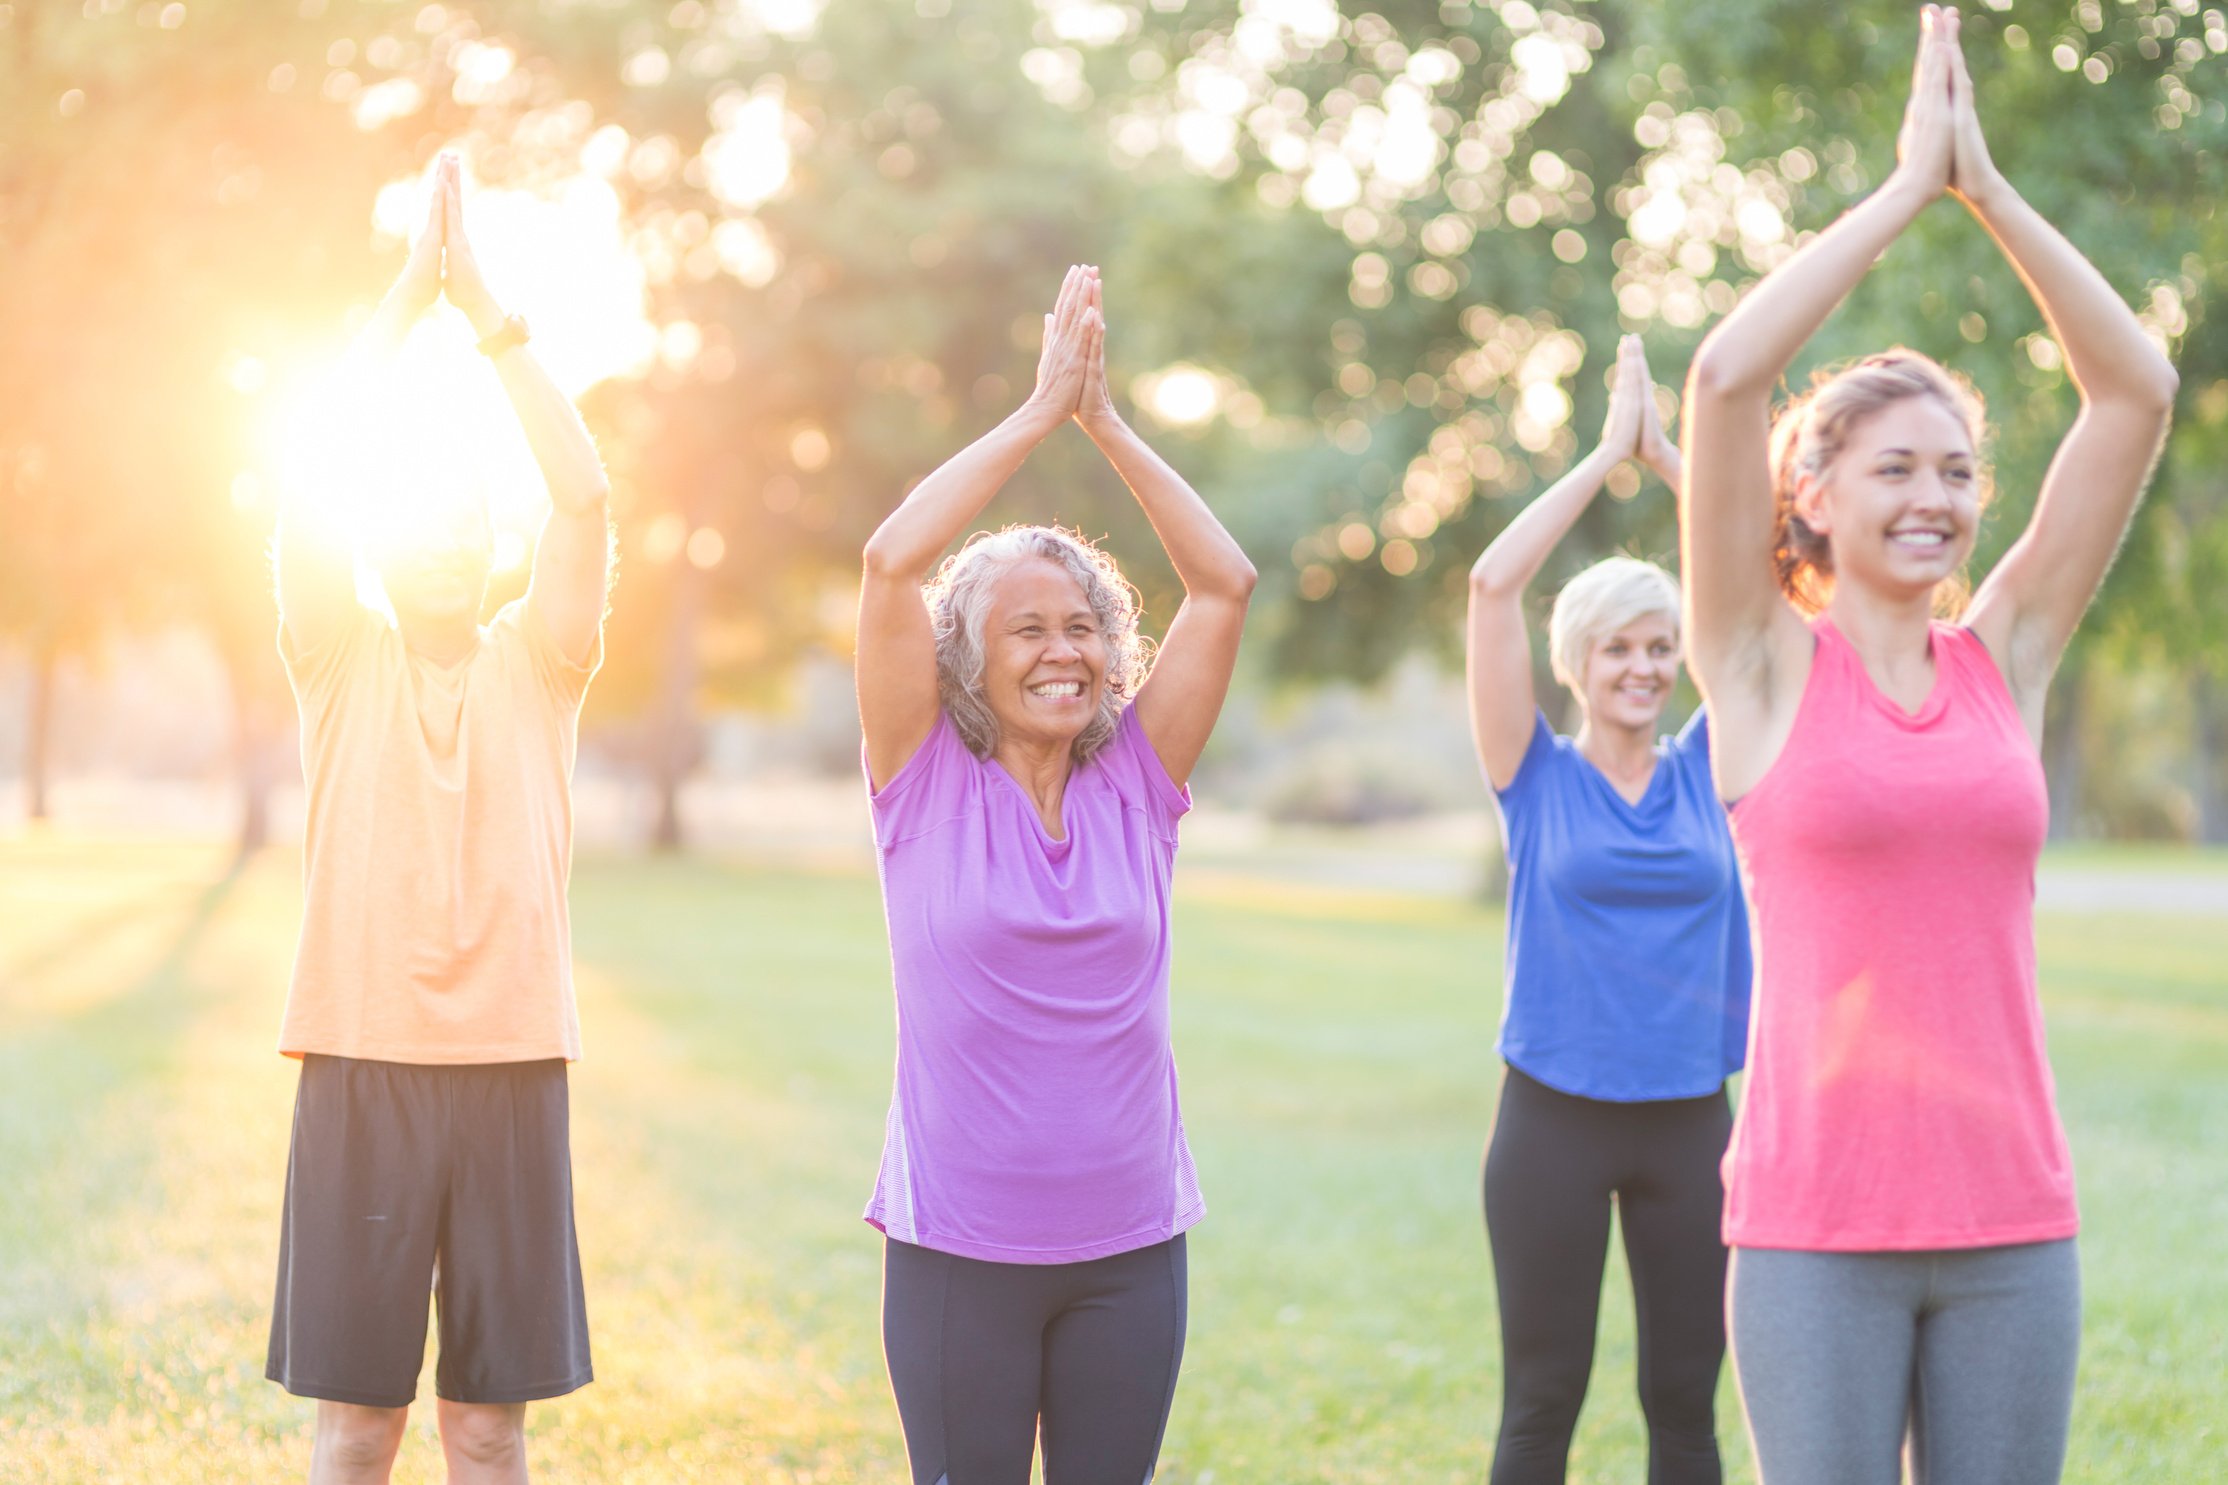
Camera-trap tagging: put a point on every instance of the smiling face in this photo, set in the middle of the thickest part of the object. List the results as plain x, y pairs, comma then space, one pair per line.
1044, 657
1901, 501
1630, 673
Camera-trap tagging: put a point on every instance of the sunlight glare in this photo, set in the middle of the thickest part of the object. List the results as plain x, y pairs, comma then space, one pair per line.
748, 154
379, 446
1181, 396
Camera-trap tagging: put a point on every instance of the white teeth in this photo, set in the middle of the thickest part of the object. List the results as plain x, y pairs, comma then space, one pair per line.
1920, 538
1058, 688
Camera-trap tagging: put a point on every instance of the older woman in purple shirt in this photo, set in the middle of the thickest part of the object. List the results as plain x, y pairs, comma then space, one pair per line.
1027, 756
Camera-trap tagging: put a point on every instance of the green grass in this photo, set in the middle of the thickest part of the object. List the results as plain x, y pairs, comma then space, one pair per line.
1338, 1076
2144, 858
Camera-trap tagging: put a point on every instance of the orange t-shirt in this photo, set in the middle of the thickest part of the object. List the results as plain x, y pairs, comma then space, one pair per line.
438, 845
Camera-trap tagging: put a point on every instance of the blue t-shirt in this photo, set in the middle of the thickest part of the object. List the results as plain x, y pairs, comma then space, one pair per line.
1628, 953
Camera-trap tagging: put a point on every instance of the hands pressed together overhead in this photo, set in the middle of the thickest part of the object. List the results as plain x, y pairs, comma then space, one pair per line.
1633, 428
441, 262
1940, 146
1071, 368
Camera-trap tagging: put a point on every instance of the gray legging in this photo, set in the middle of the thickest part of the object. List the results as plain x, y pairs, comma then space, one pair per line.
1967, 1354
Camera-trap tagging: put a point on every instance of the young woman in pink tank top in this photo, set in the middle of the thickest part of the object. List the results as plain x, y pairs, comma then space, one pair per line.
1899, 1197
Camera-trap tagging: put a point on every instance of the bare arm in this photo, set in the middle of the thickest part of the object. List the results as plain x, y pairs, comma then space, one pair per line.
315, 560
1191, 675
1749, 650
2028, 609
896, 666
572, 560
1502, 702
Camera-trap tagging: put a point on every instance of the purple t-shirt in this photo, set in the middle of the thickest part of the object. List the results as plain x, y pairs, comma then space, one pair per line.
1035, 1117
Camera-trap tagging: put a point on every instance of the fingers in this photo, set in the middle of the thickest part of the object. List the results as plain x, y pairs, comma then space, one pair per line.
1071, 293
452, 202
433, 207
1632, 367
1961, 80
1079, 292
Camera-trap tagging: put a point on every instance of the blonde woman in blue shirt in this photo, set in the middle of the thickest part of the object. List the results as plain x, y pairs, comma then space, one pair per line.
1627, 981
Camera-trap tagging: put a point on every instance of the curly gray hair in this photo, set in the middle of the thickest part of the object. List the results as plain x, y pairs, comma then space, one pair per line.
959, 598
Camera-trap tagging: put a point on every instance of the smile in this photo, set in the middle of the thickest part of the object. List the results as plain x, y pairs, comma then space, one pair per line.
1057, 690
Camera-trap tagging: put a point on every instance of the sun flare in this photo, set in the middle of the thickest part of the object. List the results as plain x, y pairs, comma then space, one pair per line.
379, 443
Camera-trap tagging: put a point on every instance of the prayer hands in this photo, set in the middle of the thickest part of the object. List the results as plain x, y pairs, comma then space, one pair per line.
461, 279
419, 283
1656, 450
1926, 145
1633, 428
1063, 366
1096, 409
1973, 172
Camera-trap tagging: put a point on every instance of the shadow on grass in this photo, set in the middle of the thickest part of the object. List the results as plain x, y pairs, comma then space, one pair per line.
77, 1123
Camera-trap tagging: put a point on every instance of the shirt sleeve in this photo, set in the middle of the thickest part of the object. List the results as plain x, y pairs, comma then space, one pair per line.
1529, 768
1692, 748
934, 786
562, 679
1139, 774
318, 674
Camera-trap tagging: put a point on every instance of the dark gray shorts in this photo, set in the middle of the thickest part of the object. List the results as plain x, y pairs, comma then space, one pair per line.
405, 1179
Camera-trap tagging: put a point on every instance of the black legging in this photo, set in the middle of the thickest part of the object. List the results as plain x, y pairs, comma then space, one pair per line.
1554, 1163
979, 1352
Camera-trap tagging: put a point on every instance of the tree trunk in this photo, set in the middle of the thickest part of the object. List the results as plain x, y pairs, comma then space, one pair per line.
2061, 750
37, 751
255, 755
673, 743
2211, 762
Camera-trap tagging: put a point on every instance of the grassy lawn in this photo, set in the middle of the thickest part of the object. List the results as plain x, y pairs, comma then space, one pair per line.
1336, 1050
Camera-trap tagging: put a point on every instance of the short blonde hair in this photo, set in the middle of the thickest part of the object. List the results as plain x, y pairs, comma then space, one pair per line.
1600, 601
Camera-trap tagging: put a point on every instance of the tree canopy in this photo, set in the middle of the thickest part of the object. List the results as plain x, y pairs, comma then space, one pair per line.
1366, 269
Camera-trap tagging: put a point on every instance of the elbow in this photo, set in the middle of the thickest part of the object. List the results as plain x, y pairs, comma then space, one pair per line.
2162, 386
1489, 581
882, 560
1242, 579
1720, 371
584, 495
2148, 390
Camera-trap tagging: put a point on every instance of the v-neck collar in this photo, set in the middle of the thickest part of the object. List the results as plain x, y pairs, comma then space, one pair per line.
1036, 817
1609, 785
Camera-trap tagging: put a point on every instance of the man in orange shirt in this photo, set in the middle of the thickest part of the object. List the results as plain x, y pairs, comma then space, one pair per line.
432, 1001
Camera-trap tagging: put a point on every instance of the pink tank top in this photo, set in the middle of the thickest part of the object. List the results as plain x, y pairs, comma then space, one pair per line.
1899, 1096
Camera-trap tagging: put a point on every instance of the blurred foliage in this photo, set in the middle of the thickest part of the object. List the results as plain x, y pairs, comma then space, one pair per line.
1395, 245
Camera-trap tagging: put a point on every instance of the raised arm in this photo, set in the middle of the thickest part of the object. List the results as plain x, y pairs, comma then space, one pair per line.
1499, 649
572, 560
2028, 609
1748, 649
314, 560
1183, 696
896, 667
